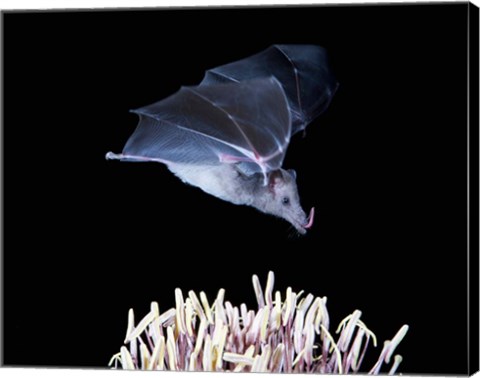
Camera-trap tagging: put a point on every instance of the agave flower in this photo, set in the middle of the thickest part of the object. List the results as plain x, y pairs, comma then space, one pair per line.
290, 334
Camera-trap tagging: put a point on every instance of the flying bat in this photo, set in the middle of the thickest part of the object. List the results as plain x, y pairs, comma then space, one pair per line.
229, 134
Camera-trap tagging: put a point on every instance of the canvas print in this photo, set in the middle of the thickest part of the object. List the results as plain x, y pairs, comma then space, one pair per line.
281, 189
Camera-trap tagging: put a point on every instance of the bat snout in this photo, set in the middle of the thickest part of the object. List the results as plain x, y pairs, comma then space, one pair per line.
301, 222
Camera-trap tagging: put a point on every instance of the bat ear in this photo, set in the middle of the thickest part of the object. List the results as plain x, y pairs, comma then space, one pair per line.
274, 180
293, 173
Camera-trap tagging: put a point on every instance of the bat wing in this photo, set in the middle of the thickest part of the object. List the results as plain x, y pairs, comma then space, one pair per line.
302, 70
246, 123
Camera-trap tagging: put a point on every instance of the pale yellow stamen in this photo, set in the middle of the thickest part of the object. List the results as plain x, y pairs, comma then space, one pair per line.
305, 303
154, 308
158, 355
180, 313
265, 358
241, 360
277, 358
287, 306
206, 307
127, 362
189, 316
171, 350
200, 335
196, 304
264, 324
348, 329
258, 290
207, 354
238, 358
395, 341
397, 360
257, 362
269, 288
115, 358
131, 324
192, 366
312, 311
220, 345
219, 309
144, 356
368, 331
335, 348
138, 330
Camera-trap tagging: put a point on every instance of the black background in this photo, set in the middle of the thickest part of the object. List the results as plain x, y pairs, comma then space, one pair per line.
385, 167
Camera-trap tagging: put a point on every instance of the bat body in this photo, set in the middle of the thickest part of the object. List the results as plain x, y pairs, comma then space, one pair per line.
229, 135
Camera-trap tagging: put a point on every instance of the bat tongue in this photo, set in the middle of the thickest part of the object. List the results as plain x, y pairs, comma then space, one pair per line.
310, 219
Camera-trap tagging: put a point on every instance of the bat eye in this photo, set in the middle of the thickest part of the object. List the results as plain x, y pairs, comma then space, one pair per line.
285, 200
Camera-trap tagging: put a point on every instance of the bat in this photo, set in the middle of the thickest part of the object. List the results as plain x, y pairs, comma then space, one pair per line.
229, 135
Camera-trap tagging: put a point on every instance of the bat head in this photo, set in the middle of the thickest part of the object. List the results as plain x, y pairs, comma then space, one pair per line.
282, 200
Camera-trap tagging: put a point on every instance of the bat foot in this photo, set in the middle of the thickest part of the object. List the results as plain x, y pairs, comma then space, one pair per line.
111, 156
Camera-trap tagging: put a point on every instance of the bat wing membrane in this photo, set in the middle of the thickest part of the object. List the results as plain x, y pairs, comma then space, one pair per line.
302, 70
244, 122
